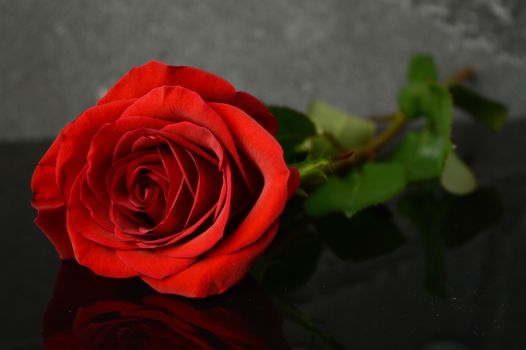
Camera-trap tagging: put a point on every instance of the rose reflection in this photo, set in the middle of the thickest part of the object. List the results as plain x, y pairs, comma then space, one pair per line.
93, 312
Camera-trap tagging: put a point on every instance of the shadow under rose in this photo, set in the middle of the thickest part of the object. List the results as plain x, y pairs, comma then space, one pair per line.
87, 311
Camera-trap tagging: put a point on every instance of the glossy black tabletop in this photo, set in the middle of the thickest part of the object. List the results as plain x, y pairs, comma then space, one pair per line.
431, 271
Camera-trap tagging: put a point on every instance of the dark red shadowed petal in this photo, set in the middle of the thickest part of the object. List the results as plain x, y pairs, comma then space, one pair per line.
266, 154
209, 183
208, 167
101, 158
119, 184
142, 181
213, 274
256, 109
294, 181
177, 197
207, 239
140, 80
155, 240
53, 223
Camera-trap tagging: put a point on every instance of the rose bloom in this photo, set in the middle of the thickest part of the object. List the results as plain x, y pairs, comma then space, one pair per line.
92, 312
174, 177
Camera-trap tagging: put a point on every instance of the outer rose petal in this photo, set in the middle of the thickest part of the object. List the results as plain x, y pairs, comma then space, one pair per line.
46, 193
256, 109
213, 274
294, 181
53, 223
48, 201
178, 104
266, 154
77, 139
140, 80
151, 263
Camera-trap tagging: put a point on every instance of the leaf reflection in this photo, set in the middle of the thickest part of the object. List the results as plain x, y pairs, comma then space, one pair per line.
441, 219
445, 220
93, 312
368, 234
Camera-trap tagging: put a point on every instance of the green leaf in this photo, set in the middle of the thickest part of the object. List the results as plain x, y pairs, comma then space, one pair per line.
437, 106
420, 73
490, 113
422, 69
294, 128
371, 184
457, 177
431, 100
422, 95
320, 146
445, 220
423, 155
368, 234
348, 130
409, 100
297, 252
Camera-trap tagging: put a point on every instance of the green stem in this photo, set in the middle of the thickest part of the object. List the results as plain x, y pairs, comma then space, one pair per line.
461, 75
313, 173
381, 119
370, 148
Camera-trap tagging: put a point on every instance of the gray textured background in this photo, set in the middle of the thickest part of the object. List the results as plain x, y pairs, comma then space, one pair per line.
57, 57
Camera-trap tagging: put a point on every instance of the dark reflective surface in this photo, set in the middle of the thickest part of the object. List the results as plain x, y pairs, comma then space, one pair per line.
428, 271
91, 312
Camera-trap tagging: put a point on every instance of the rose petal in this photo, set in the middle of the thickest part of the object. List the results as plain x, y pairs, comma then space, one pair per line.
177, 104
213, 274
152, 264
46, 193
98, 211
256, 109
77, 139
100, 157
49, 203
79, 220
118, 180
266, 154
151, 241
294, 181
140, 80
207, 190
100, 259
207, 239
52, 222
185, 165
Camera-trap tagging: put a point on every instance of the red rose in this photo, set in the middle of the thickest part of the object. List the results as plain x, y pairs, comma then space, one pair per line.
93, 312
173, 176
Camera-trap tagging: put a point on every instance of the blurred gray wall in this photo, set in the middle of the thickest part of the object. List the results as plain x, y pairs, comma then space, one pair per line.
57, 57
